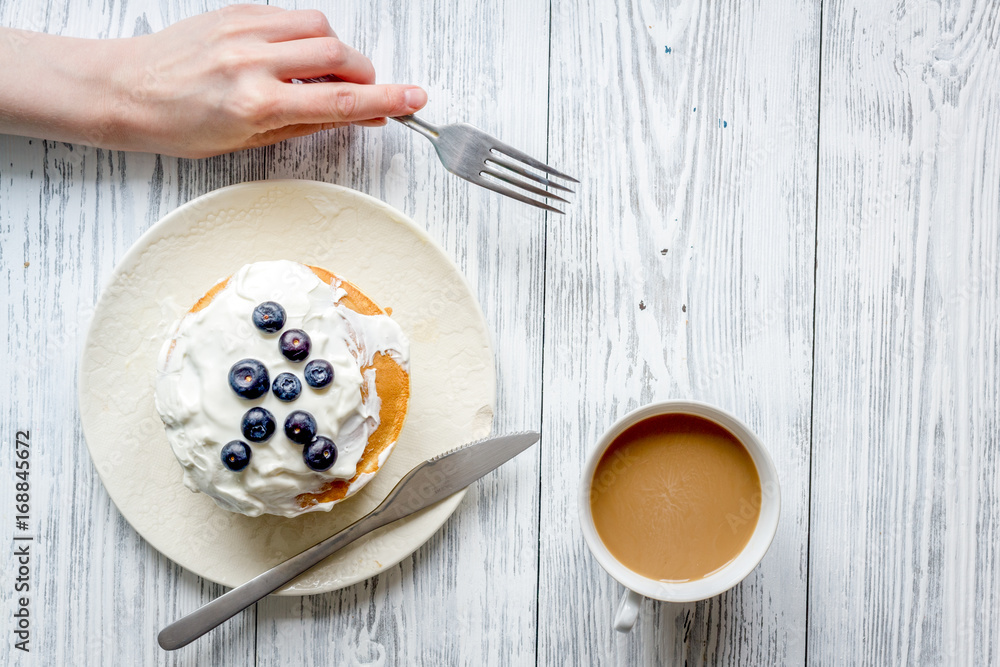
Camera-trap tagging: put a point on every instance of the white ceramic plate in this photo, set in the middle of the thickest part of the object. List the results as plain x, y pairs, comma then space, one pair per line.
453, 381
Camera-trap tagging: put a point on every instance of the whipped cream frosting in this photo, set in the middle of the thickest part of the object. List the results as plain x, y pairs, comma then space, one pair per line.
202, 412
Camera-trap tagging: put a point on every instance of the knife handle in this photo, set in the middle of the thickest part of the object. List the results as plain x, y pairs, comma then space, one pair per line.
185, 630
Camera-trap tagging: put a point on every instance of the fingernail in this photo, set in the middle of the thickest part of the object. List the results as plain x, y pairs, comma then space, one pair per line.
415, 97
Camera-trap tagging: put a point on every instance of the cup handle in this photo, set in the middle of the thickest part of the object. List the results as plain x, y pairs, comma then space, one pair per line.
628, 611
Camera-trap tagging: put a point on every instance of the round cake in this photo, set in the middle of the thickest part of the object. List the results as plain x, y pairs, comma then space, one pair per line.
283, 390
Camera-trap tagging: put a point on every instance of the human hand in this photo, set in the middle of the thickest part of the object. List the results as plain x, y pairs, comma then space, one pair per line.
210, 84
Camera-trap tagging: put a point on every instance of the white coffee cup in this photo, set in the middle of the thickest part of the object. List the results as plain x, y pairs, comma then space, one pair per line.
719, 581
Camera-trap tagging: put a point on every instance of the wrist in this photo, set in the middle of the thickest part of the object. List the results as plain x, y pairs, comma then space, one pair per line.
63, 88
99, 87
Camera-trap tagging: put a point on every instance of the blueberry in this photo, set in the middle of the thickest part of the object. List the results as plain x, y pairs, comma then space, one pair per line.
295, 344
258, 425
248, 378
269, 317
318, 373
320, 454
300, 427
236, 455
286, 387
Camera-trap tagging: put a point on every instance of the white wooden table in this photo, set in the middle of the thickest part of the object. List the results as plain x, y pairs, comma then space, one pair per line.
789, 209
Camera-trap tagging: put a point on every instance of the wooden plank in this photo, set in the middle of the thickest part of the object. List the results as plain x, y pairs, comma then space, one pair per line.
684, 271
67, 214
906, 498
468, 595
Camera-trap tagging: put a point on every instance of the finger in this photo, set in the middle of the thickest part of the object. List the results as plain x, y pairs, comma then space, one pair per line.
307, 58
248, 10
349, 102
374, 122
289, 132
294, 24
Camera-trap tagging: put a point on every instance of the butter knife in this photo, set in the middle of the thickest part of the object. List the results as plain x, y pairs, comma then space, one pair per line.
431, 481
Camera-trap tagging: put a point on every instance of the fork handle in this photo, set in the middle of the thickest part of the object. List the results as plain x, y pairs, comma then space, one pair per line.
429, 130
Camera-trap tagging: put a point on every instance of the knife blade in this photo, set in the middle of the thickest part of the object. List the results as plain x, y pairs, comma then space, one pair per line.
428, 483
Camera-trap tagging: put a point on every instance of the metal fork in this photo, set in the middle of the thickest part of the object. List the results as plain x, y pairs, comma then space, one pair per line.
470, 153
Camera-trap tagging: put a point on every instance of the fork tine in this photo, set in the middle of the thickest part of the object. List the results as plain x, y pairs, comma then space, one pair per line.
490, 185
501, 147
496, 173
517, 169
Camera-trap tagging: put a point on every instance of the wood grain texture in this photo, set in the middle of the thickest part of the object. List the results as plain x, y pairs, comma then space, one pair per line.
70, 212
685, 271
703, 239
468, 595
906, 486
477, 578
